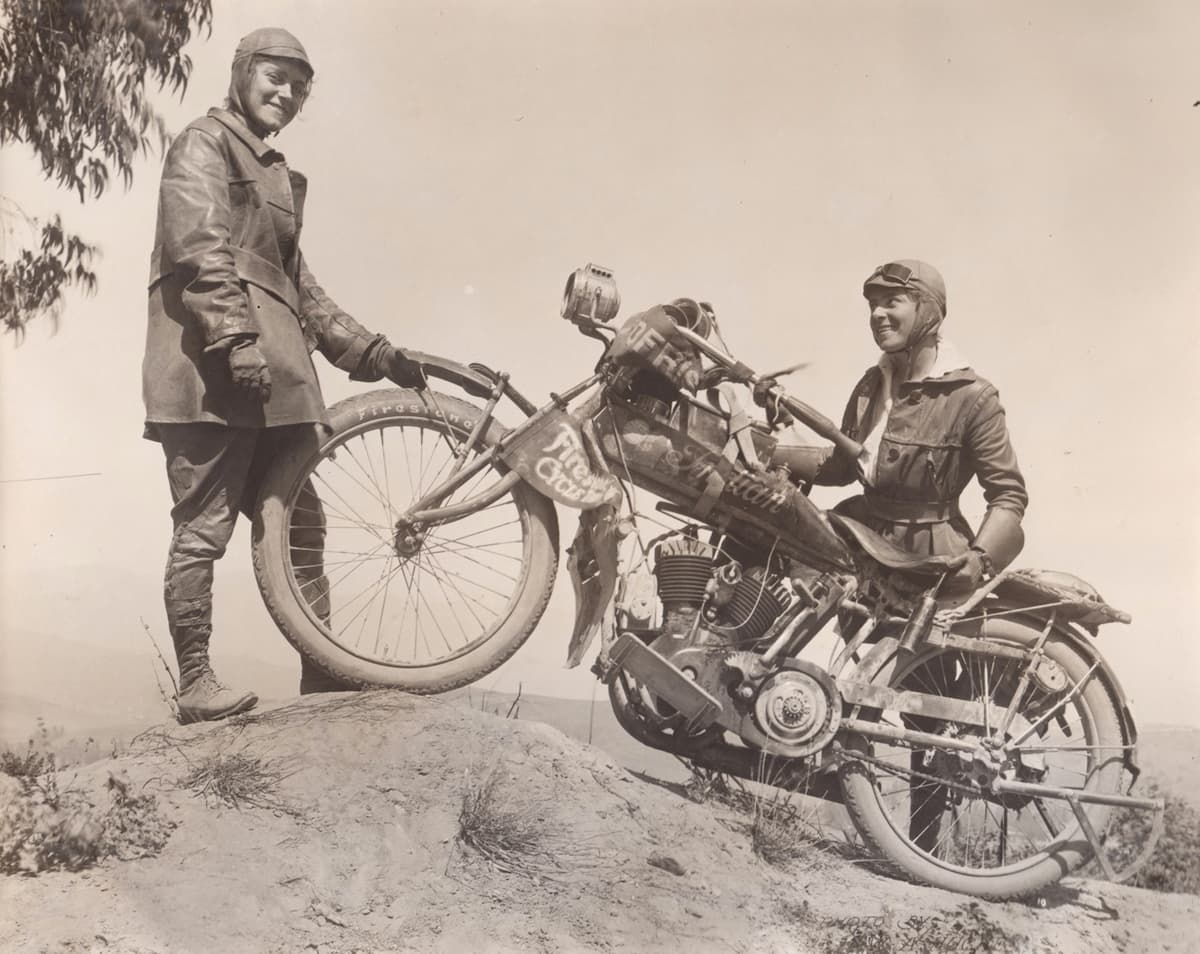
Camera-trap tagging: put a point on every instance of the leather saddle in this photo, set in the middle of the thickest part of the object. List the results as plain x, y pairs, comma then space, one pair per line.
888, 554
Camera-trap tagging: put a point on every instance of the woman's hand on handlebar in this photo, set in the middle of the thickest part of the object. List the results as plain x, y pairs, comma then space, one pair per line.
767, 393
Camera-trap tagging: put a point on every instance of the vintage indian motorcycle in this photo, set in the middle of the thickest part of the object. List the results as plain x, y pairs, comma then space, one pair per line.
980, 744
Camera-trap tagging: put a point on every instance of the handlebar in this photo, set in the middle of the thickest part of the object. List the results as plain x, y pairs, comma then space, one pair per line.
797, 408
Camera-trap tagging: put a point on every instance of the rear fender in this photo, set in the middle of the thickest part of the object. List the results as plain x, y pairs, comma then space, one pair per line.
876, 665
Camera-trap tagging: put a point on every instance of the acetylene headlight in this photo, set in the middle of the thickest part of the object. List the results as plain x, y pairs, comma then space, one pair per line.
591, 295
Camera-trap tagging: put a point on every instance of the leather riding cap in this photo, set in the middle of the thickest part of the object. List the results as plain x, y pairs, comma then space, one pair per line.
908, 273
272, 41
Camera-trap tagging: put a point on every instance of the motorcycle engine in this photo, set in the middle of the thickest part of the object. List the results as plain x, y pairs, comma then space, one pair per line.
707, 596
714, 618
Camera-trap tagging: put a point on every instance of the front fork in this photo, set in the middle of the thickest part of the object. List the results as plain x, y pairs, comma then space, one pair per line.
425, 512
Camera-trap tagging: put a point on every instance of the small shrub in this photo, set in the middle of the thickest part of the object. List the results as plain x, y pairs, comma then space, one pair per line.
1175, 864
30, 764
967, 930
45, 826
134, 827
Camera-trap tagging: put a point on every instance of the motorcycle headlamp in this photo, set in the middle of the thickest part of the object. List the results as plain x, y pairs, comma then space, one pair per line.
591, 295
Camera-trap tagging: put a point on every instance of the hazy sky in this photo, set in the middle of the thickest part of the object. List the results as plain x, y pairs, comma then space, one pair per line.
465, 157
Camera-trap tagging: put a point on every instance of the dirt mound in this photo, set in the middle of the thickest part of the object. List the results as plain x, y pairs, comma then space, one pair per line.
380, 822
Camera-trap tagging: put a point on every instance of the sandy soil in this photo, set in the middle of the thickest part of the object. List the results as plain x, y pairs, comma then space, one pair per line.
357, 850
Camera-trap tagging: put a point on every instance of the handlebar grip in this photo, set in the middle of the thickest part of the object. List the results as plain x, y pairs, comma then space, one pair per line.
799, 410
821, 424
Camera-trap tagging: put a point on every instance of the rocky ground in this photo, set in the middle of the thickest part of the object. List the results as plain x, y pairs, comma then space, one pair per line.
381, 822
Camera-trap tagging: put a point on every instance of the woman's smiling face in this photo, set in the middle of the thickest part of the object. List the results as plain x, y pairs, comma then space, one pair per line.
274, 92
893, 318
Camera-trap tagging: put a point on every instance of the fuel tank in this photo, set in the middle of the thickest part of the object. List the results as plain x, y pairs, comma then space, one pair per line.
675, 450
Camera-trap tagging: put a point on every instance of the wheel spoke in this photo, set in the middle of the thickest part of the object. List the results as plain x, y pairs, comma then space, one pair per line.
372, 475
451, 549
373, 492
442, 578
357, 517
362, 609
480, 563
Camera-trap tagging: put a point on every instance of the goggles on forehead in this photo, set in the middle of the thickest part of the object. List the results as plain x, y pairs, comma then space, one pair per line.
893, 272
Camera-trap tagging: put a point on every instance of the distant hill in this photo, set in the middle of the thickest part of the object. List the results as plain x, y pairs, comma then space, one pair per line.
86, 689
1170, 755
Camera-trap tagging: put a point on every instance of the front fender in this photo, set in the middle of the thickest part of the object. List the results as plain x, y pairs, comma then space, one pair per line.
478, 380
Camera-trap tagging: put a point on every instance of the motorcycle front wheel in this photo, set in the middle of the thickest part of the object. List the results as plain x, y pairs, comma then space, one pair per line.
918, 806
374, 606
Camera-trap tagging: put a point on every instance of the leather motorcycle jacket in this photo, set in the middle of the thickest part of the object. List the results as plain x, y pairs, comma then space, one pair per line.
942, 431
226, 265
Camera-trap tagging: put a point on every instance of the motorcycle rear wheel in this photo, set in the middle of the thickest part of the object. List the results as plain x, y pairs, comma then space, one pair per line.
426, 619
957, 838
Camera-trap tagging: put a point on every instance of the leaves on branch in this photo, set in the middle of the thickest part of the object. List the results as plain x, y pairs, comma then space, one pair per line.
73, 74
73, 79
33, 283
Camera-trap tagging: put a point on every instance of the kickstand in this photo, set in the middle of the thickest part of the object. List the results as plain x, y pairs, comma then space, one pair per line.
1143, 856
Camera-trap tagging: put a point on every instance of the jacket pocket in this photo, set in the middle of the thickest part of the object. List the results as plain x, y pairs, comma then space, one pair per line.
939, 471
244, 201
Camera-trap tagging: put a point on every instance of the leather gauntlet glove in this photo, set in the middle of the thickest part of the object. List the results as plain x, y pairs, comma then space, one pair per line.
249, 371
997, 544
968, 577
384, 360
401, 369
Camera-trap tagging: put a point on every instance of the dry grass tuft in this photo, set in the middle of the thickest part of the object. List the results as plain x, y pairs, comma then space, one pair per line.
781, 832
238, 780
784, 831
518, 834
706, 785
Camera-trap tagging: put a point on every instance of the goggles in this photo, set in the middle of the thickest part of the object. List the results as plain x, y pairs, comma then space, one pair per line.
892, 272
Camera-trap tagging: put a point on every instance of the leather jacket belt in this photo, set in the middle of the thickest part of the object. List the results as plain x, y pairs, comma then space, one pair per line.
910, 511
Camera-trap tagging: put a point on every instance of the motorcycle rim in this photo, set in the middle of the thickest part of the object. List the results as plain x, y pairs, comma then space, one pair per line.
955, 837
427, 617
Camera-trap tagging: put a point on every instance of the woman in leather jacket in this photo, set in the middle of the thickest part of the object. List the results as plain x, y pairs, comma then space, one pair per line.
928, 425
234, 315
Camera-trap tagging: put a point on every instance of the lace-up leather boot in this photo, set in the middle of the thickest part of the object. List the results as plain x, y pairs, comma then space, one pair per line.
202, 697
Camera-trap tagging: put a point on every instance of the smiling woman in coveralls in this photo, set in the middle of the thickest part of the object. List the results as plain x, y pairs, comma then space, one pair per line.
234, 316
